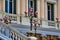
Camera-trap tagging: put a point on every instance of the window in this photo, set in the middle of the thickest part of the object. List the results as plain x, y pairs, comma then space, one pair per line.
6, 6
35, 4
32, 3
10, 6
50, 9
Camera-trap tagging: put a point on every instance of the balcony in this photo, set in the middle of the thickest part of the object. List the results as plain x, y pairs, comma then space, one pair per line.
26, 20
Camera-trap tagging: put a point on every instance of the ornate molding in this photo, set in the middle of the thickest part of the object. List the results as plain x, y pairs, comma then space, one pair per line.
51, 1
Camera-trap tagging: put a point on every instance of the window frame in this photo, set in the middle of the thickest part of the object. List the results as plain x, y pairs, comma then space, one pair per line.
50, 16
10, 7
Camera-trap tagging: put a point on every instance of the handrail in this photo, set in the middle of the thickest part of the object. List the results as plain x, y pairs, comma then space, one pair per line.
23, 16
4, 37
15, 31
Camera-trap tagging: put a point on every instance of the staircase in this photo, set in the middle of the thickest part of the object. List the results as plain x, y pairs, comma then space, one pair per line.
3, 37
7, 32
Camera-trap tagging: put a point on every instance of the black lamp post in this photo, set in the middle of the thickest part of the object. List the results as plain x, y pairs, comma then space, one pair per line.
35, 23
31, 19
31, 16
57, 22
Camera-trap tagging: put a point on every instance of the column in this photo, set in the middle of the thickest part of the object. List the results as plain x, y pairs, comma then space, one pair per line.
18, 11
1, 8
0, 5
45, 10
23, 6
55, 11
58, 11
42, 9
4, 5
58, 14
26, 5
38, 8
55, 14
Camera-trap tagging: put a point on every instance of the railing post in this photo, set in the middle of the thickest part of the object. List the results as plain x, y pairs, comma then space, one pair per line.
18, 19
13, 36
31, 18
57, 22
16, 36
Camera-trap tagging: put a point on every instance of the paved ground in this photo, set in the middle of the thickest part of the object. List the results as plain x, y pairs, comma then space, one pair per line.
24, 29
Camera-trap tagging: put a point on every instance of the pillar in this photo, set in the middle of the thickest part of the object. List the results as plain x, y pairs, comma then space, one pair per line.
23, 6
1, 5
42, 9
18, 11
4, 5
45, 10
38, 8
55, 11
58, 14
26, 5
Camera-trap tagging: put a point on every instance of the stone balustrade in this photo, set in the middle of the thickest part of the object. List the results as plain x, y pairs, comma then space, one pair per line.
26, 20
12, 33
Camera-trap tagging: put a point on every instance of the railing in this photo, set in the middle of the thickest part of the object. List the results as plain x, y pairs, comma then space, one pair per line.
11, 32
3, 37
16, 35
8, 30
50, 24
26, 20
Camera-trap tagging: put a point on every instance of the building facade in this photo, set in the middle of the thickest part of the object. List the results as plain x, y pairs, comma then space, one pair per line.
47, 9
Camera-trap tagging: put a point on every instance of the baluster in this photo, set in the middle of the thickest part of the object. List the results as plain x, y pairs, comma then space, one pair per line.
12, 35
3, 30
18, 37
15, 36
0, 29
